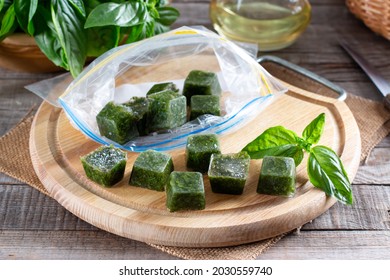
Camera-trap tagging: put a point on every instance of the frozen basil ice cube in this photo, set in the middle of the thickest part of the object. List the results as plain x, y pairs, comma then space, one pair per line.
185, 191
140, 107
204, 104
199, 149
228, 172
201, 83
162, 87
151, 170
167, 110
105, 165
118, 122
277, 176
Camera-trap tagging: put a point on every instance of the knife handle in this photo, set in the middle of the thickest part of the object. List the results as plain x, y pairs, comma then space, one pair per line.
300, 70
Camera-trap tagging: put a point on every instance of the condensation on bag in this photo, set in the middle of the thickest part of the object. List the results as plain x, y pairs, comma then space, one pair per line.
131, 70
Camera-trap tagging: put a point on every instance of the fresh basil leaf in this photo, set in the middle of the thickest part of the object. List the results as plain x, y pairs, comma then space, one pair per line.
151, 2
134, 33
292, 150
125, 14
1, 4
272, 138
25, 11
326, 172
160, 3
69, 24
153, 12
312, 133
295, 152
102, 39
167, 15
47, 39
160, 28
141, 31
79, 5
8, 23
4, 6
89, 5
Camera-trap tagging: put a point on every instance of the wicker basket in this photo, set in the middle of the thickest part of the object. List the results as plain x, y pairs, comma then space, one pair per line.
374, 13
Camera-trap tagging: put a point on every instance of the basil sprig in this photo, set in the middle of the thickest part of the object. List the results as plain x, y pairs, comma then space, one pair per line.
325, 169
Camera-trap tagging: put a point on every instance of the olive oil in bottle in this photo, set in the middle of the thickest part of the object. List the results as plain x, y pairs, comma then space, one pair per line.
272, 25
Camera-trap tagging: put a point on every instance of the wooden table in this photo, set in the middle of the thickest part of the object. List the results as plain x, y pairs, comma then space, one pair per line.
34, 226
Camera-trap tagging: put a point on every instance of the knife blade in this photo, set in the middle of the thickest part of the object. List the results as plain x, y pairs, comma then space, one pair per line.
379, 81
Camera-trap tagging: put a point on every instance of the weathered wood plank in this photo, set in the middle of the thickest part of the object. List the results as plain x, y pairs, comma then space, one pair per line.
74, 245
24, 208
385, 143
6, 75
370, 211
375, 169
7, 180
64, 245
325, 245
15, 102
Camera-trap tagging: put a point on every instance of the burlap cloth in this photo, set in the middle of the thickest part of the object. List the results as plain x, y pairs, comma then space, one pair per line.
371, 117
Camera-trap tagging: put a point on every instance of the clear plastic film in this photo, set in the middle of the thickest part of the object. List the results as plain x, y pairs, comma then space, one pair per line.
131, 70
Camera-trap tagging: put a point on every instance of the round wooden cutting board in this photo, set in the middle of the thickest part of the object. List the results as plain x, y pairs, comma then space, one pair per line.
141, 214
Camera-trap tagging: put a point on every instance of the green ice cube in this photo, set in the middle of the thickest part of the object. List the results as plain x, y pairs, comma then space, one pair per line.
277, 176
167, 110
105, 166
201, 83
228, 172
151, 170
204, 104
162, 87
185, 191
199, 149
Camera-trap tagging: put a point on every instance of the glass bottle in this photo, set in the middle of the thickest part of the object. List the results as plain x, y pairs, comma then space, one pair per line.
272, 25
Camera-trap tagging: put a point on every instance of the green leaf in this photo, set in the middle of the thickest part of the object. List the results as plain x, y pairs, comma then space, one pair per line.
8, 23
270, 141
295, 152
327, 173
151, 3
25, 11
1, 4
312, 133
68, 24
153, 12
123, 15
47, 38
160, 28
160, 3
102, 39
140, 32
79, 5
4, 6
167, 15
90, 5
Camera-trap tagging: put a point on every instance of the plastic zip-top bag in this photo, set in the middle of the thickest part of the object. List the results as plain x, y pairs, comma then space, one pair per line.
132, 70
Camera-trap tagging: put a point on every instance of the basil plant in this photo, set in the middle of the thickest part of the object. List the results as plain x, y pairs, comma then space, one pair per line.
69, 31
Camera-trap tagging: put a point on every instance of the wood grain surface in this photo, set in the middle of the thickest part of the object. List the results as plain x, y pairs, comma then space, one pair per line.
34, 226
141, 214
